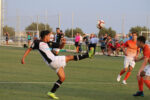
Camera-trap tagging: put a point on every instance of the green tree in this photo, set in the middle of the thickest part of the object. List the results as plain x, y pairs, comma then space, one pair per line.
138, 29
41, 26
68, 32
109, 31
8, 29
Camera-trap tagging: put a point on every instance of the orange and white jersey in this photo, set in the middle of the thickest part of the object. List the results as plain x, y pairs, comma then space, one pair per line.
146, 51
146, 54
131, 48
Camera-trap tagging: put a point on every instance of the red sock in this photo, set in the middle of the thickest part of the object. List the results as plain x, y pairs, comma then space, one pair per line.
127, 75
122, 72
140, 83
147, 82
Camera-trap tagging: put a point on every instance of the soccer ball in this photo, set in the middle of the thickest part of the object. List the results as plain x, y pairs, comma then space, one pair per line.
101, 24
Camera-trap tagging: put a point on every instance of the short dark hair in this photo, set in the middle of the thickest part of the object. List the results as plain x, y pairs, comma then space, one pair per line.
57, 28
44, 33
141, 39
134, 33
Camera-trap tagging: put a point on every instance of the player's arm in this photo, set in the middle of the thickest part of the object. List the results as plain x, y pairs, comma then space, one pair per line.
25, 54
142, 66
136, 57
124, 47
124, 51
139, 59
63, 42
8, 36
138, 52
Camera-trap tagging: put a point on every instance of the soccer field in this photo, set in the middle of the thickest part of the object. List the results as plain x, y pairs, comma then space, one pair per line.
90, 79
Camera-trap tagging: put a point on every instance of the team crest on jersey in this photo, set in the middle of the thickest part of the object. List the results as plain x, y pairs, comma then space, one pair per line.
50, 44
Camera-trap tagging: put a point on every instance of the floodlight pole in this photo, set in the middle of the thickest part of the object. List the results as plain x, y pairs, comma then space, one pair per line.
1, 19
37, 25
72, 24
123, 25
147, 23
18, 34
59, 20
31, 18
46, 19
1, 28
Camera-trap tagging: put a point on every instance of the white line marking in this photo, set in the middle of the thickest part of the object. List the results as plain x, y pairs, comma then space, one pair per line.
105, 83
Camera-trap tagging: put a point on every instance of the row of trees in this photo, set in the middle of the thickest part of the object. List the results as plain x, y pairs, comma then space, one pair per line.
68, 32
8, 29
41, 27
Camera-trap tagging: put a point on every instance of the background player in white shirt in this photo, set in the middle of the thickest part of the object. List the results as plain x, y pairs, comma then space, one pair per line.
52, 37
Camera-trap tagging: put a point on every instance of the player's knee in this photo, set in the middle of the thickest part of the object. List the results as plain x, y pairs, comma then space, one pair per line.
125, 69
62, 78
143, 74
130, 70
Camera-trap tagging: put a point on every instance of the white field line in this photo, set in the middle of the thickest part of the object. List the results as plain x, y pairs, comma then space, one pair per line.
104, 83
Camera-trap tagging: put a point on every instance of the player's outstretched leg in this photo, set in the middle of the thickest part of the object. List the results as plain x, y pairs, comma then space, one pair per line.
90, 54
61, 75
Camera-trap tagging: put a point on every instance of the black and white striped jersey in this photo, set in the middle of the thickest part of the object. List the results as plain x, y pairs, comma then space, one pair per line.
44, 49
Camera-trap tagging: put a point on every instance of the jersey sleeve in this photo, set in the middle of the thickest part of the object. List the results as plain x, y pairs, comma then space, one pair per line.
62, 35
53, 45
146, 52
34, 45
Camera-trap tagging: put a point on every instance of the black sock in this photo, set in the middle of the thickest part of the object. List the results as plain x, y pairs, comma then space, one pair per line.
56, 86
80, 57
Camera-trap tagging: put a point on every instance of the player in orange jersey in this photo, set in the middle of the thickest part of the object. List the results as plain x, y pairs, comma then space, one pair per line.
131, 51
143, 75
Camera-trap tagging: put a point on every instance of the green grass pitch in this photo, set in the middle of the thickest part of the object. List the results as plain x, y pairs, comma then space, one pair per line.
90, 79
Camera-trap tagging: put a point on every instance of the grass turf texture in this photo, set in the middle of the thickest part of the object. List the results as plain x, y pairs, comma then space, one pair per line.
90, 79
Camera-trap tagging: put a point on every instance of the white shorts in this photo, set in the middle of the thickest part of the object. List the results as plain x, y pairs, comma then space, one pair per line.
58, 62
129, 61
147, 70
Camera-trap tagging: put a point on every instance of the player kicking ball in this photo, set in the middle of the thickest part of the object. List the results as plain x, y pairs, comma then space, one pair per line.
131, 51
143, 75
57, 63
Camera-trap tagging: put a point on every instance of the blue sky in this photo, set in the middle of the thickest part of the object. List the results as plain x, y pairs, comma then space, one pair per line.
86, 13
